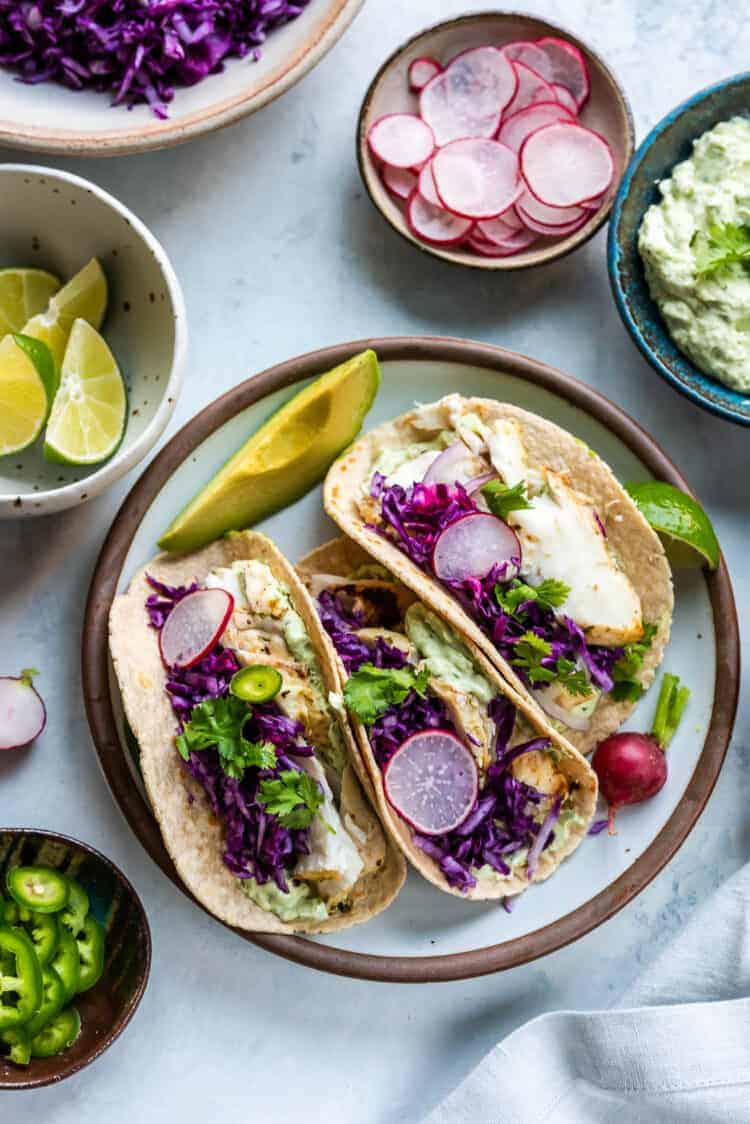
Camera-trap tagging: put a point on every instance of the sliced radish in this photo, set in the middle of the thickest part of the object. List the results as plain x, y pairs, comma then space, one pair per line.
469, 96
558, 231
515, 129
498, 231
445, 469
593, 204
194, 626
426, 185
402, 140
531, 89
531, 55
22, 712
529, 206
514, 244
435, 224
565, 98
476, 178
399, 181
568, 67
470, 547
422, 71
564, 164
432, 781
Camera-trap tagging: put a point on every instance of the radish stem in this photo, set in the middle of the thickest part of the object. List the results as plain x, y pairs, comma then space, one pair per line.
669, 709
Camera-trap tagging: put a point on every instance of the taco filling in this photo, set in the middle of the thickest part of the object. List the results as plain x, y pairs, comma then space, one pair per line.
408, 674
521, 549
275, 772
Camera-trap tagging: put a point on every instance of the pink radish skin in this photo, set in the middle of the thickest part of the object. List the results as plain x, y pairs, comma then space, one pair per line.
564, 164
422, 71
498, 231
555, 231
516, 128
22, 713
468, 98
631, 768
515, 244
531, 55
568, 68
471, 546
565, 98
432, 781
476, 178
531, 89
550, 216
402, 140
399, 181
194, 626
434, 224
426, 185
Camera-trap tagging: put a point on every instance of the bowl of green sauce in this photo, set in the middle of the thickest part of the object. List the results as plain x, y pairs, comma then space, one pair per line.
679, 249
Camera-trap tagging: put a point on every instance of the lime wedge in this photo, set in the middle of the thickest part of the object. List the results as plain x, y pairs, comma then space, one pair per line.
23, 293
283, 459
88, 415
26, 390
84, 297
689, 538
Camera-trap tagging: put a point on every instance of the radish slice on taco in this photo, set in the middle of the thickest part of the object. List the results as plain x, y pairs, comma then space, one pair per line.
520, 536
251, 773
480, 792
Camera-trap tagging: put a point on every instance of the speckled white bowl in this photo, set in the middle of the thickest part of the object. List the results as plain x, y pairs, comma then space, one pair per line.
58, 221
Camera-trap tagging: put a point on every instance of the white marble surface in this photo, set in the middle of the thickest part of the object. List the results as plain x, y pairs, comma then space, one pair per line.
279, 252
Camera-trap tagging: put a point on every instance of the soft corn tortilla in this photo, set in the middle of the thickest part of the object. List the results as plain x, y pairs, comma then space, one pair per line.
193, 836
342, 557
638, 548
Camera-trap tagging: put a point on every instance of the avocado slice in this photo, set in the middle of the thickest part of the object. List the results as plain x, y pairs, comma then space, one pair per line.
284, 458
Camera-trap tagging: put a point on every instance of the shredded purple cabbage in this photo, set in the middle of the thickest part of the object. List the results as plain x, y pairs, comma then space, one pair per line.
597, 827
415, 516
341, 623
501, 821
136, 50
257, 845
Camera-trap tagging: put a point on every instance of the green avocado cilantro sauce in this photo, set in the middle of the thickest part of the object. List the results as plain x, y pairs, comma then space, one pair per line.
695, 246
297, 904
443, 654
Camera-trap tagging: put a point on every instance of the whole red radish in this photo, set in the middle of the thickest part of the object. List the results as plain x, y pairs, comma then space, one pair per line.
632, 767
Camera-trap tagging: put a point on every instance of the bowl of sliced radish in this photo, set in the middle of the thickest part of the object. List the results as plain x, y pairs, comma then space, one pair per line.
494, 140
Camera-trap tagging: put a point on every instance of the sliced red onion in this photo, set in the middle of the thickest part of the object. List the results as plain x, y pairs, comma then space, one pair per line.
544, 833
573, 721
194, 626
478, 482
432, 781
444, 468
473, 545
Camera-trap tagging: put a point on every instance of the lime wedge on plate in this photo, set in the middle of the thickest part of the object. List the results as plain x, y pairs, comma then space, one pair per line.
283, 459
689, 538
88, 415
23, 293
27, 386
84, 297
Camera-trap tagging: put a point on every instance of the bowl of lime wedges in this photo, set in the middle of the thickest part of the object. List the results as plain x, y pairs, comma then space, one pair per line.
93, 340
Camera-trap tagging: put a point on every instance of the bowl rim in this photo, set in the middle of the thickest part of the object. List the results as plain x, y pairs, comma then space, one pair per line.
555, 250
166, 134
363, 965
614, 254
128, 455
107, 1039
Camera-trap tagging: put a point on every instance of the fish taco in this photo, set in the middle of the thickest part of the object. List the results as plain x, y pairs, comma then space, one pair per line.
480, 792
520, 536
254, 778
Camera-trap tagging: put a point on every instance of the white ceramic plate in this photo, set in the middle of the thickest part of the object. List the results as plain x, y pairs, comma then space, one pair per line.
47, 118
427, 934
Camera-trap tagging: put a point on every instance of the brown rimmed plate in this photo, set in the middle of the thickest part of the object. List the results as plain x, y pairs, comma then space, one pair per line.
427, 935
109, 1006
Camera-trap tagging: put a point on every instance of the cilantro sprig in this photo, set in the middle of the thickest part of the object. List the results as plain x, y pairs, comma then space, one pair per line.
550, 594
528, 653
371, 690
627, 688
723, 245
502, 499
294, 797
220, 723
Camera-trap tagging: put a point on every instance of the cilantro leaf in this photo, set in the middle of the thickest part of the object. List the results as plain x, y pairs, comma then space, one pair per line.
627, 688
550, 594
371, 690
294, 797
528, 653
724, 244
501, 499
573, 678
219, 723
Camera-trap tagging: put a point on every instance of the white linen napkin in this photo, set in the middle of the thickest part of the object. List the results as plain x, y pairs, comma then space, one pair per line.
677, 1049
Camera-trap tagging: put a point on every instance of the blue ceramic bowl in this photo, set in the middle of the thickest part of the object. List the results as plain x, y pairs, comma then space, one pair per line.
666, 145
